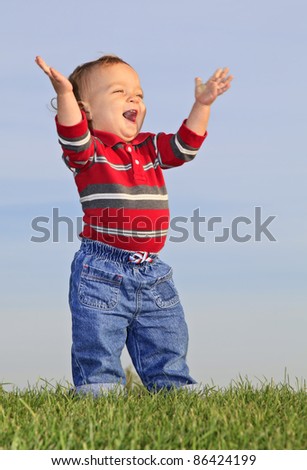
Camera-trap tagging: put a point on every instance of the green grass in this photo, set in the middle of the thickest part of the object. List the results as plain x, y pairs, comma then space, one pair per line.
240, 416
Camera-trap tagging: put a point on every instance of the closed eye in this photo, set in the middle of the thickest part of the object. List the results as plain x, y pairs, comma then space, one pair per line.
118, 91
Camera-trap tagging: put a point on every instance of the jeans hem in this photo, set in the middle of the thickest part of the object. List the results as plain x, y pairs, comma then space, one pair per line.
99, 389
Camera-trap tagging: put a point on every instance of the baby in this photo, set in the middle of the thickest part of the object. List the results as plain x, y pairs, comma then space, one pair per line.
121, 292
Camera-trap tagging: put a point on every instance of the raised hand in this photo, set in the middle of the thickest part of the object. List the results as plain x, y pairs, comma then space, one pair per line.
68, 111
60, 83
206, 93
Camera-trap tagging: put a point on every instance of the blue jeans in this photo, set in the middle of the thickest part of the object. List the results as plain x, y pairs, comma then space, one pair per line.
115, 302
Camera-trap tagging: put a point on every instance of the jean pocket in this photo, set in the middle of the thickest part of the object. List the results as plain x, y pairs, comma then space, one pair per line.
165, 292
99, 289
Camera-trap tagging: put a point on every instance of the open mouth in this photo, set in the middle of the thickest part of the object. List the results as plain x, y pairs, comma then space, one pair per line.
131, 115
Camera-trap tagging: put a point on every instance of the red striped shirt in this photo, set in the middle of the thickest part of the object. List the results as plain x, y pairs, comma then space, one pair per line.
121, 185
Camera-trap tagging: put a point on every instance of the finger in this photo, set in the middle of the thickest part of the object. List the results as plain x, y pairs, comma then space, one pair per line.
224, 73
223, 76
228, 79
225, 81
224, 88
217, 74
198, 81
42, 64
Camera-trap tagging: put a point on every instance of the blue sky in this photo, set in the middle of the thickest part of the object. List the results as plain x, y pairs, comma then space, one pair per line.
245, 303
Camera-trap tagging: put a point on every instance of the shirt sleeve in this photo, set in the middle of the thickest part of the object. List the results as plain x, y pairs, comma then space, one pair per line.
176, 149
77, 144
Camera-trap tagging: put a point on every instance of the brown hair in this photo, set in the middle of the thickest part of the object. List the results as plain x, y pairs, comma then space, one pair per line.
78, 77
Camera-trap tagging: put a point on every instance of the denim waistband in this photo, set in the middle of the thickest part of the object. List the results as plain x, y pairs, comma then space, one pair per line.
93, 247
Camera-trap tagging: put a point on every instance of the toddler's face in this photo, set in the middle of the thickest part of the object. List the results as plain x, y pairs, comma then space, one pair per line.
114, 101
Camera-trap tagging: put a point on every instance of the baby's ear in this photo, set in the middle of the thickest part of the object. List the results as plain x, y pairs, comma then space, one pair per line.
83, 105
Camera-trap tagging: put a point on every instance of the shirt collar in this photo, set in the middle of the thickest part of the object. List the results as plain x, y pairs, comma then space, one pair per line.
110, 140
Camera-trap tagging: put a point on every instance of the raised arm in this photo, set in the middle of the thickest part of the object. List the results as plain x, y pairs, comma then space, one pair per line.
205, 95
68, 111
